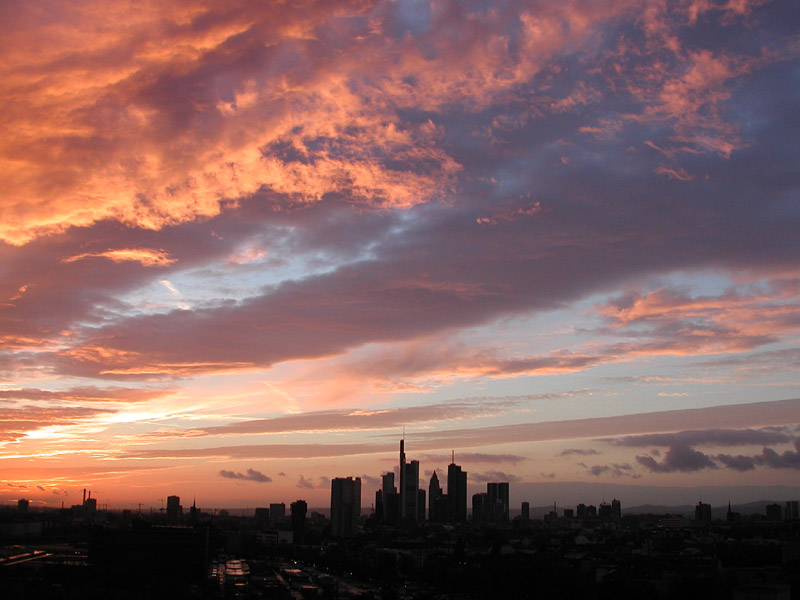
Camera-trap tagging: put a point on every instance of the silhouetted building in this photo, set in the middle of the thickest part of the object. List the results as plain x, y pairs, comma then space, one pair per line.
389, 499
456, 493
581, 511
480, 508
174, 509
616, 509
702, 513
409, 487
611, 511
345, 506
437, 501
194, 514
498, 498
410, 509
569, 513
378, 512
774, 512
262, 516
732, 517
525, 515
277, 512
402, 490
22, 505
299, 510
791, 511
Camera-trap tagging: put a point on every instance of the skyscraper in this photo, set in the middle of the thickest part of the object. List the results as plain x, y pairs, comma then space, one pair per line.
410, 508
390, 500
456, 493
497, 509
299, 509
277, 511
437, 501
409, 487
174, 509
345, 506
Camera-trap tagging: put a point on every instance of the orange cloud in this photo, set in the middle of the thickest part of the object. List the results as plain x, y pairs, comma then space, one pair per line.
145, 256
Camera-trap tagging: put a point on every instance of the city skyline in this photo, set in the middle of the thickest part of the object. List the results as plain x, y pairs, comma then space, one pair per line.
244, 247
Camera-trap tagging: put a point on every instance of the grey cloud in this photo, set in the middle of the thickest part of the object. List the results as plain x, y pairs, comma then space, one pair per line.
768, 458
708, 437
494, 476
738, 462
474, 457
578, 451
371, 481
251, 475
786, 460
614, 469
678, 458
304, 483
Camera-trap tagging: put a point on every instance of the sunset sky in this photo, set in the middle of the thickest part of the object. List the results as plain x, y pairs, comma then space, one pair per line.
244, 244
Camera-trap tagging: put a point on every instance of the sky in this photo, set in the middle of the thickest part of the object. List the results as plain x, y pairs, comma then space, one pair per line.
245, 245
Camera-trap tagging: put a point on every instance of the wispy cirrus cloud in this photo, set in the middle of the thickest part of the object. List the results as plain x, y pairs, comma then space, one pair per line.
145, 256
766, 413
85, 394
18, 422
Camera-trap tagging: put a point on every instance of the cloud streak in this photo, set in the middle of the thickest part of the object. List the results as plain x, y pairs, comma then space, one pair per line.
250, 475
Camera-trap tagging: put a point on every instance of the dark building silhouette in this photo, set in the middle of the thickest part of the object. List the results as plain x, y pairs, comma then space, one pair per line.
525, 515
409, 488
498, 502
774, 512
22, 505
480, 508
378, 512
389, 500
437, 501
611, 511
89, 506
702, 513
791, 512
299, 510
174, 509
731, 517
262, 516
391, 508
277, 512
456, 493
421, 505
345, 506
